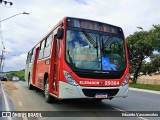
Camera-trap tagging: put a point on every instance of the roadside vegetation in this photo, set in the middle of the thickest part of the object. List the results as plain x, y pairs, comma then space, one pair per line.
147, 87
19, 74
141, 45
144, 44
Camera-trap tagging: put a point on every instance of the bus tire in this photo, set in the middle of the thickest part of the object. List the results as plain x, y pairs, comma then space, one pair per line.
30, 86
47, 96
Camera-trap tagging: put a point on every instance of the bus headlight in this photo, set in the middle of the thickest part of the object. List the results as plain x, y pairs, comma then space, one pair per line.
69, 78
125, 81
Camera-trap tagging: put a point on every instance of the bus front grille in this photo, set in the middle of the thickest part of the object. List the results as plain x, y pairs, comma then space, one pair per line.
93, 92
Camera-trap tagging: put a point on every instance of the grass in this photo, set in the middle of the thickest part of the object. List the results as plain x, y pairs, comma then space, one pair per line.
19, 74
147, 87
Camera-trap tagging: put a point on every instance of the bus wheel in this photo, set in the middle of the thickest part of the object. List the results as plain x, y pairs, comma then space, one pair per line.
30, 86
47, 96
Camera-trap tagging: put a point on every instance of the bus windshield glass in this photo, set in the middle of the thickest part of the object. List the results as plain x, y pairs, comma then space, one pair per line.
93, 51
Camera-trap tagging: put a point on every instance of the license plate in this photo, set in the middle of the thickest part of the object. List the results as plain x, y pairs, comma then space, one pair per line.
101, 95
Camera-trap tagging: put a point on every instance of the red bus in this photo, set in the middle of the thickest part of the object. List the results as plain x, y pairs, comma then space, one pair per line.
80, 59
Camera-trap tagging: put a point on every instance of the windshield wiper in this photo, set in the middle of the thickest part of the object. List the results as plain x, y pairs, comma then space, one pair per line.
91, 40
107, 41
103, 54
97, 46
70, 58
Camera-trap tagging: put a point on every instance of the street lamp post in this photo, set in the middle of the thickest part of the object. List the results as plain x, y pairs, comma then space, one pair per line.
3, 50
14, 16
2, 59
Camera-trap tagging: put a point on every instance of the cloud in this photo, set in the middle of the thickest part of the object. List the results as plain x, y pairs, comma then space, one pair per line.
82, 1
14, 63
22, 32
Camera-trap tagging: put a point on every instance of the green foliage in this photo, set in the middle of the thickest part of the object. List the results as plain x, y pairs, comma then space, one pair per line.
139, 50
147, 69
154, 37
153, 67
155, 61
147, 87
141, 46
19, 74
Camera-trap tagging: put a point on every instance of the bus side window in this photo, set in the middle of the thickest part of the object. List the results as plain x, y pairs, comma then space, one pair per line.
27, 60
32, 54
48, 43
41, 50
29, 57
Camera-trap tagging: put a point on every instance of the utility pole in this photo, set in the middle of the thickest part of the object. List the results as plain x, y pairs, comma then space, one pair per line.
1, 60
3, 48
5, 3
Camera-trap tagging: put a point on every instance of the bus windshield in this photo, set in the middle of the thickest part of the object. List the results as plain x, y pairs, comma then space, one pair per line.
93, 51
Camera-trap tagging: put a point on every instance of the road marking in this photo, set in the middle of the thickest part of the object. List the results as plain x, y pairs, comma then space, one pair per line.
143, 90
20, 103
128, 112
5, 101
142, 118
118, 109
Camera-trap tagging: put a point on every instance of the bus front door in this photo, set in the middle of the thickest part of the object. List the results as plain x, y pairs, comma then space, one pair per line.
54, 66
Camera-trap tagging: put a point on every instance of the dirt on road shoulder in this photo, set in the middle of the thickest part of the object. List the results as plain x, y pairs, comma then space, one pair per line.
9, 86
151, 80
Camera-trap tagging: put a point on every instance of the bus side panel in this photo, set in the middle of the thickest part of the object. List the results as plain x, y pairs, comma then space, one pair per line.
54, 67
28, 72
40, 74
35, 66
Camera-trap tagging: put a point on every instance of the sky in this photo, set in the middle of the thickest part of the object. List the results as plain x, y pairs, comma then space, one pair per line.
22, 32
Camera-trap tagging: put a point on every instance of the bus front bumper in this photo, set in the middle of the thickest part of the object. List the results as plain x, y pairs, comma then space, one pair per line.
67, 91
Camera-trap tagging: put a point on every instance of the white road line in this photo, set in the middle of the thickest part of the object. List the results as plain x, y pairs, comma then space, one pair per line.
118, 109
143, 90
5, 101
142, 118
128, 112
20, 103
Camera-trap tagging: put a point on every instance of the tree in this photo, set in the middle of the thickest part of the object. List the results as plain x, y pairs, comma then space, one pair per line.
139, 50
154, 37
153, 67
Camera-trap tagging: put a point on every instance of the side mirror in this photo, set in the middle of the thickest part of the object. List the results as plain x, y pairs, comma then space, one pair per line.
60, 33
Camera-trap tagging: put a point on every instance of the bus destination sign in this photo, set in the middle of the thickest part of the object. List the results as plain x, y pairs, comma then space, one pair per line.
92, 25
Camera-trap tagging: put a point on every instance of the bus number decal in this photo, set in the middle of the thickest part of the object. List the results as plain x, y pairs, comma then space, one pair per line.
111, 82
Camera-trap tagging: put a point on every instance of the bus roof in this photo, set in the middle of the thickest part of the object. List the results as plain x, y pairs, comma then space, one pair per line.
80, 19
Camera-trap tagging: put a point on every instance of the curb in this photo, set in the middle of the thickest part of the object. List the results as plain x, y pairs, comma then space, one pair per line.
143, 90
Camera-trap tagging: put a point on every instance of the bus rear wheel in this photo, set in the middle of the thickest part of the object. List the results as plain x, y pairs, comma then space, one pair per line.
47, 96
30, 86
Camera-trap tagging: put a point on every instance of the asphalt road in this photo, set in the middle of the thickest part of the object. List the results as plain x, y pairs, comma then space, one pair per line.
1, 100
31, 100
